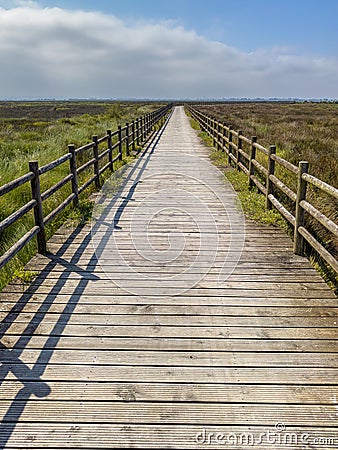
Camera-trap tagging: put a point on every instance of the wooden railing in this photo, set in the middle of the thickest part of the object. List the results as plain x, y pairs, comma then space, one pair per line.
260, 165
126, 137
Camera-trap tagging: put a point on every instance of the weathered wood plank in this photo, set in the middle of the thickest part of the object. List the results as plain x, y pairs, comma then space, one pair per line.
11, 300
112, 371
94, 436
89, 364
252, 291
166, 413
175, 344
176, 310
177, 392
162, 331
177, 320
175, 358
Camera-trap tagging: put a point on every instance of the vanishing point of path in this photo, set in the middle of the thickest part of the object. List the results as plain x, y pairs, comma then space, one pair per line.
169, 322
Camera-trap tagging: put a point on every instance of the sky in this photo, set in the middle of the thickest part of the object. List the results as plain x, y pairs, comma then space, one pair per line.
168, 49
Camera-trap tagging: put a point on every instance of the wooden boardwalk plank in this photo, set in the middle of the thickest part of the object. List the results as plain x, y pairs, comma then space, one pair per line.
153, 412
179, 392
160, 331
171, 322
95, 436
299, 376
177, 344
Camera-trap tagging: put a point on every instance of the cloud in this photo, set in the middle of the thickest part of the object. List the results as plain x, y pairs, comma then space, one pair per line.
53, 52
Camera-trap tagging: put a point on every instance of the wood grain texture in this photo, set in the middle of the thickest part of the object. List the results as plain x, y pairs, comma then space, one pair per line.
87, 363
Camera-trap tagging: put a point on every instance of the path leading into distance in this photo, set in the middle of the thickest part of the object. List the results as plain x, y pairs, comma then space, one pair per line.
169, 322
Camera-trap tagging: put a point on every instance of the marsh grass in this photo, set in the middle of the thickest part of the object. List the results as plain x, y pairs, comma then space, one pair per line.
42, 131
300, 131
323, 164
252, 203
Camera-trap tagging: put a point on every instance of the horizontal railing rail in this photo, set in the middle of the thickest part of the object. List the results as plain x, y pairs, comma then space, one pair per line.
81, 160
260, 165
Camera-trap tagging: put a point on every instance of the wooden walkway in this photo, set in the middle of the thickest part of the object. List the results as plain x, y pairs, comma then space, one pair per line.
171, 324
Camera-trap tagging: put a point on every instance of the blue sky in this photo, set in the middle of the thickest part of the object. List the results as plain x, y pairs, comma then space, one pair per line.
259, 47
306, 25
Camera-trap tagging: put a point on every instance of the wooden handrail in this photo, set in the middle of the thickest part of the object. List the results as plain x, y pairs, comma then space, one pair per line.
136, 134
265, 179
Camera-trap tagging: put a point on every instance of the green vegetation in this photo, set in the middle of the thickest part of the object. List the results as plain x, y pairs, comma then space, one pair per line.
300, 131
42, 131
253, 205
81, 214
25, 276
194, 124
24, 138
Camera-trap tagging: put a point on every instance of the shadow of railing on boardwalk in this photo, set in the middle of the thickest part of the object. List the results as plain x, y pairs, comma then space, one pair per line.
11, 358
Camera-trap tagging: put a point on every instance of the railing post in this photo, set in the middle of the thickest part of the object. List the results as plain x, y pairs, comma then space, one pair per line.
96, 162
141, 129
216, 136
73, 171
239, 148
271, 171
224, 136
230, 146
127, 139
252, 157
219, 145
119, 134
298, 240
110, 146
38, 211
138, 132
133, 134
145, 120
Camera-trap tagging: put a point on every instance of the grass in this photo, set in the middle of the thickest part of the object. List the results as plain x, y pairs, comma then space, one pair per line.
23, 139
25, 276
252, 203
81, 214
254, 207
305, 131
42, 131
300, 131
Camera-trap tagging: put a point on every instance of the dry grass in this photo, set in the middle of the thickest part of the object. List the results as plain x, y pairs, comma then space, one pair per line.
41, 131
306, 131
